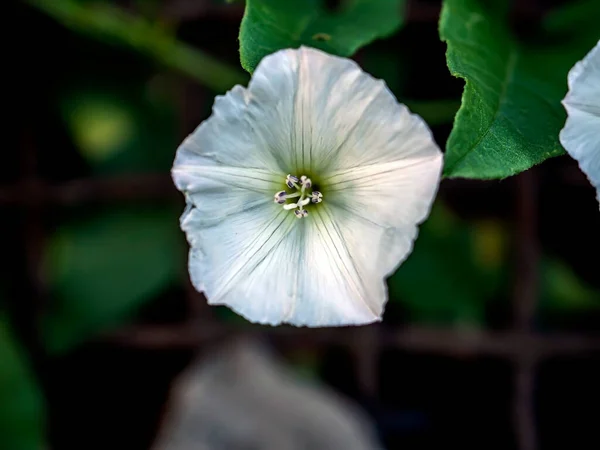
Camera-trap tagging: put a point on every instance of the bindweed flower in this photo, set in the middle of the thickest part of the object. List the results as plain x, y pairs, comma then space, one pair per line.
304, 191
581, 133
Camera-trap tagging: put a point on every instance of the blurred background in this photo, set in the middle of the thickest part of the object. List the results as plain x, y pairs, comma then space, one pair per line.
491, 335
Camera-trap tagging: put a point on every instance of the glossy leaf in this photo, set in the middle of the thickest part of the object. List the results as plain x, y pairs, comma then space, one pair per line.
271, 25
511, 113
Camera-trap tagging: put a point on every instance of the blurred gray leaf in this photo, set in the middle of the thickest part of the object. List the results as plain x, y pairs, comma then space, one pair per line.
241, 398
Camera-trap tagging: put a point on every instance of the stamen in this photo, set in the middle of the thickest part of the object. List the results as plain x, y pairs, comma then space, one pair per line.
291, 181
300, 213
302, 186
305, 182
280, 197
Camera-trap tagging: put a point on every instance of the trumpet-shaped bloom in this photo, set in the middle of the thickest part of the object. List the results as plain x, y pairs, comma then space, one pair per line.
304, 191
581, 133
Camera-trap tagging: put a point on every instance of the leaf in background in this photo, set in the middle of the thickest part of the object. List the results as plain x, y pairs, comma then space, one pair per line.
271, 25
120, 129
103, 268
112, 24
562, 290
101, 127
391, 68
453, 271
578, 20
22, 424
511, 113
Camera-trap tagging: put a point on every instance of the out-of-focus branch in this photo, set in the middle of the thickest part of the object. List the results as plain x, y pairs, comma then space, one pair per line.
452, 342
107, 22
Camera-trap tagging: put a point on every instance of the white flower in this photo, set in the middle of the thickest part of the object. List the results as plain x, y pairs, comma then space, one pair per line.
581, 134
304, 192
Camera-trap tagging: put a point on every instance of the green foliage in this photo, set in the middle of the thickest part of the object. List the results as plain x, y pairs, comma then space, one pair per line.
21, 401
511, 113
562, 290
102, 268
454, 270
112, 24
271, 25
121, 129
392, 68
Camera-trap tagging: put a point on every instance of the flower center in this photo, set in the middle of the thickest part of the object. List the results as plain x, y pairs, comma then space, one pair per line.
302, 190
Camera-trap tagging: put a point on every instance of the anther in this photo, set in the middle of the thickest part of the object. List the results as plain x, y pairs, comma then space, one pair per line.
300, 213
280, 197
291, 181
305, 182
316, 197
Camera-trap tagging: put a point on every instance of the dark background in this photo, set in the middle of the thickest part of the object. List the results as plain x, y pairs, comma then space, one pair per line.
490, 339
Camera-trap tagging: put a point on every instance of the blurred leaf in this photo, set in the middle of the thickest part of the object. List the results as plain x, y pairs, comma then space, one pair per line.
103, 268
120, 129
106, 22
511, 113
100, 127
271, 25
225, 314
434, 112
389, 67
453, 271
577, 19
21, 400
563, 290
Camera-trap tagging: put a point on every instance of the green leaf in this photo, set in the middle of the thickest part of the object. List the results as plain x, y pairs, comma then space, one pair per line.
576, 19
511, 113
106, 22
22, 407
454, 270
562, 290
271, 25
121, 129
102, 268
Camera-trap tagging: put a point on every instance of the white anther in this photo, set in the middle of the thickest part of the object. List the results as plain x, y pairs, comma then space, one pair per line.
316, 197
280, 197
305, 182
300, 213
291, 181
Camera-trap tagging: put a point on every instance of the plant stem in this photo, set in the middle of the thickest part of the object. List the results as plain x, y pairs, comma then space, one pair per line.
107, 22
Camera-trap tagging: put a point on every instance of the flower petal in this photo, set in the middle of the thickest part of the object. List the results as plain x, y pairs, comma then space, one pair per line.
228, 260
581, 133
342, 117
283, 270
380, 204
